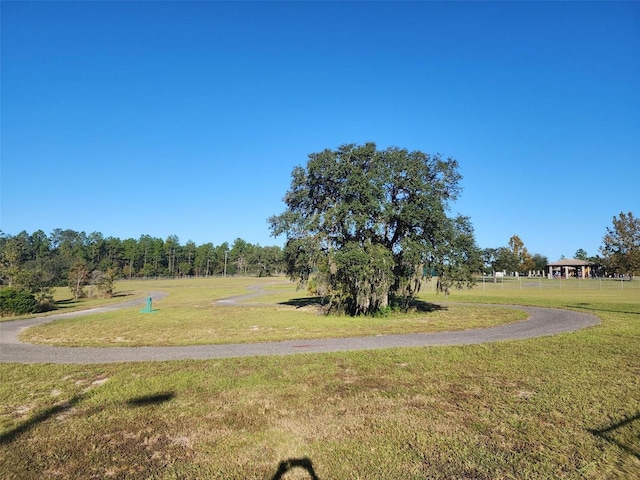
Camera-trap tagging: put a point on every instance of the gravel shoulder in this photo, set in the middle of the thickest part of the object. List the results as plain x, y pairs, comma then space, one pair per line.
541, 322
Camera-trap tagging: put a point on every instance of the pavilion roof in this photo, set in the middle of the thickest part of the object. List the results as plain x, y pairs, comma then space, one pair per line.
570, 262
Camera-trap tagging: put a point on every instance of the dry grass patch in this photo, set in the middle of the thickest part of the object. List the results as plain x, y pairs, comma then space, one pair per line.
507, 410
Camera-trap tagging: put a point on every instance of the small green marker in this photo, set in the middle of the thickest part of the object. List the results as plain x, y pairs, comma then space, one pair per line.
148, 308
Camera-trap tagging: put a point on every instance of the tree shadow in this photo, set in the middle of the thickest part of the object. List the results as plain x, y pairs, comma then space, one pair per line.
426, 307
305, 302
64, 304
290, 464
70, 302
587, 306
51, 412
127, 293
626, 444
66, 301
419, 306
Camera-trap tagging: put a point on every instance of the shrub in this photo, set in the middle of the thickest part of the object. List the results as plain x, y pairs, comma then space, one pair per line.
103, 282
14, 301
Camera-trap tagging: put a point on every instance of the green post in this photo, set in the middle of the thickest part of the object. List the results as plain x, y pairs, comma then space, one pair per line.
148, 308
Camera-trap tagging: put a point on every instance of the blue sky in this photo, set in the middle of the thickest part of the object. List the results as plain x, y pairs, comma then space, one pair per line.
186, 118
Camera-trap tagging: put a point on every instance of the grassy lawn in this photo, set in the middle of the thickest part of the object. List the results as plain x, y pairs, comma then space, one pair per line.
189, 315
566, 407
130, 290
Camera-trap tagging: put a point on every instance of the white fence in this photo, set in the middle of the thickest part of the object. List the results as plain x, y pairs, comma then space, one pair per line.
542, 283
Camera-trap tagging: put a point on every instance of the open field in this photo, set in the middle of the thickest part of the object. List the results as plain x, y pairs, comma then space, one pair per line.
555, 407
191, 315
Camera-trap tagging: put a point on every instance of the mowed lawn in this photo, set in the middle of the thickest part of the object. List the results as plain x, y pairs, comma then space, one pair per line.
192, 315
566, 406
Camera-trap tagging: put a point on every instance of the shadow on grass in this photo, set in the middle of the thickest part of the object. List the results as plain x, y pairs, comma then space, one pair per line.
151, 399
43, 416
67, 303
302, 463
627, 441
56, 410
123, 293
305, 302
419, 306
587, 306
426, 307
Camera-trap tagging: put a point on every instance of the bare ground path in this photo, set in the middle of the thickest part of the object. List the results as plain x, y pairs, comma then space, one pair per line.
541, 322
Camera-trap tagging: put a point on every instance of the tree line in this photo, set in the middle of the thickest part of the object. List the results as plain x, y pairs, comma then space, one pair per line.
36, 262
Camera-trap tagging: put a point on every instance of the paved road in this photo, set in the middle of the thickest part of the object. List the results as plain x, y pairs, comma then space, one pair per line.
541, 322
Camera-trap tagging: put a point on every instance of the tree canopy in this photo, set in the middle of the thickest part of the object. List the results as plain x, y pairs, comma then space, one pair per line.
621, 245
372, 223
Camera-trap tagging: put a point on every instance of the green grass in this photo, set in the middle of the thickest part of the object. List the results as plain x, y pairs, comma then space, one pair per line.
129, 290
564, 407
189, 315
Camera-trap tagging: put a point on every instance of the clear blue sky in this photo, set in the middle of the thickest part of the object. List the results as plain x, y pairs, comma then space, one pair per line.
186, 118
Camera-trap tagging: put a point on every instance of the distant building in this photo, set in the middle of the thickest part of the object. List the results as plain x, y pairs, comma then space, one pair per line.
571, 267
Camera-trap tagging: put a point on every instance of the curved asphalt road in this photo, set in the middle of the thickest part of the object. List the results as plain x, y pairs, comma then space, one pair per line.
541, 322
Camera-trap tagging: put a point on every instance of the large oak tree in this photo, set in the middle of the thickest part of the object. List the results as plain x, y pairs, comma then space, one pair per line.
372, 223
